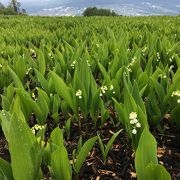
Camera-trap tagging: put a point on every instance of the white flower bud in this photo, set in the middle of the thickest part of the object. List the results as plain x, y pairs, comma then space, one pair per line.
138, 125
133, 115
134, 131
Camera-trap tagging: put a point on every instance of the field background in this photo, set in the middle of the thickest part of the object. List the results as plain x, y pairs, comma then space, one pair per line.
69, 85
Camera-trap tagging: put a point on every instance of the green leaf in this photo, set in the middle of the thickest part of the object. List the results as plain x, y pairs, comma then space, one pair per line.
5, 170
5, 103
104, 73
129, 101
63, 90
175, 115
60, 163
5, 123
95, 106
15, 78
47, 154
88, 145
25, 162
156, 172
57, 136
42, 80
146, 153
41, 63
137, 97
105, 149
20, 68
27, 104
159, 89
101, 147
43, 102
110, 143
68, 128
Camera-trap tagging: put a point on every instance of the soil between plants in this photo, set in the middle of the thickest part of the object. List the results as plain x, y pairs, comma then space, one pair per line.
120, 162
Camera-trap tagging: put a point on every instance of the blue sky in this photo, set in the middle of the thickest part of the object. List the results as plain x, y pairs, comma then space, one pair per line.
124, 7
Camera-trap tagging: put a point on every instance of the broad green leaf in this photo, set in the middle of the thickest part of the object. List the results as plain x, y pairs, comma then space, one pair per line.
41, 63
146, 153
20, 68
57, 136
137, 97
21, 143
63, 90
15, 78
104, 73
5, 170
5, 118
156, 172
42, 80
60, 164
27, 104
88, 145
5, 103
43, 102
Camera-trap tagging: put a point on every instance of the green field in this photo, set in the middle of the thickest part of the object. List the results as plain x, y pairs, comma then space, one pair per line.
75, 91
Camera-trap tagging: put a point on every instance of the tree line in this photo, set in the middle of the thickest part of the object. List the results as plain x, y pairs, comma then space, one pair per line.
13, 8
94, 11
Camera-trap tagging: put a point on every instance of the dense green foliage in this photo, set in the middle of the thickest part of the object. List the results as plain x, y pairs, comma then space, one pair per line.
74, 70
94, 11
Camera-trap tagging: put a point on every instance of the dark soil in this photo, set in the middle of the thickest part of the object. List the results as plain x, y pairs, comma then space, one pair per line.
169, 150
120, 162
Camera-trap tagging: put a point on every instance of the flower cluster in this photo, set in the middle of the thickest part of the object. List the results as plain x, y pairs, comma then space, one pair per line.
170, 68
33, 53
37, 127
171, 58
34, 96
134, 121
73, 64
177, 94
131, 64
105, 88
162, 76
144, 51
111, 88
158, 56
79, 94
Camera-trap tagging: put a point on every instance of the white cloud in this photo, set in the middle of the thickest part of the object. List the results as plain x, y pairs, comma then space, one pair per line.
60, 11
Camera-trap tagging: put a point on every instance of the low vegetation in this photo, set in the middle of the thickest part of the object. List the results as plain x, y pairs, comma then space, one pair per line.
87, 97
94, 11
